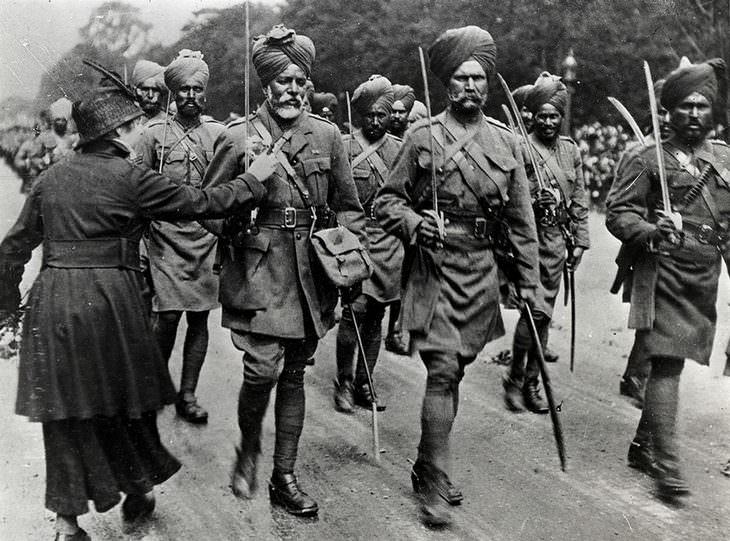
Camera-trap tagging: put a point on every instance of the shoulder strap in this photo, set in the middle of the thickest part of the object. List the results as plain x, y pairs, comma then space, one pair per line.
370, 153
551, 163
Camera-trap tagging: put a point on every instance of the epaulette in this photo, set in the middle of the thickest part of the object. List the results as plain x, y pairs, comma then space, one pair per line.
719, 142
394, 137
422, 123
240, 120
317, 117
155, 122
569, 139
208, 118
498, 123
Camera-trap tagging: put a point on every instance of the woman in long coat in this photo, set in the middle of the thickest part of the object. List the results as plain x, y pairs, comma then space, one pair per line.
90, 370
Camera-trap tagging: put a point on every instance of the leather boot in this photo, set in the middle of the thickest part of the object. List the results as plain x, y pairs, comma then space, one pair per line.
243, 477
344, 396
641, 458
189, 409
533, 400
670, 483
80, 535
364, 398
138, 506
632, 387
284, 491
445, 487
513, 400
434, 509
252, 403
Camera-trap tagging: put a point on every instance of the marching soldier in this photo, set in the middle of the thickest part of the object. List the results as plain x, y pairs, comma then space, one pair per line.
148, 79
678, 265
372, 152
450, 303
276, 300
561, 214
182, 253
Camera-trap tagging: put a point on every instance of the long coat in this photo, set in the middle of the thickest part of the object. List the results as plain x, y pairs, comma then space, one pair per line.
674, 289
451, 297
270, 280
386, 250
562, 169
181, 253
87, 347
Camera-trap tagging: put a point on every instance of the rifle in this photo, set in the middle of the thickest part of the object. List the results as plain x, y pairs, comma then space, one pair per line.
508, 262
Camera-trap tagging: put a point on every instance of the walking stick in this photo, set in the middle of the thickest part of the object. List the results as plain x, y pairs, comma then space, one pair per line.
557, 428
361, 347
571, 276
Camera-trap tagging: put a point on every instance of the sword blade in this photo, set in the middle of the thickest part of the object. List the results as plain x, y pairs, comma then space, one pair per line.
657, 139
630, 119
572, 319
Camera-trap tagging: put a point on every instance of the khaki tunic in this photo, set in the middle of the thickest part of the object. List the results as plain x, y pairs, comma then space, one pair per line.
270, 281
386, 250
561, 168
674, 290
451, 297
181, 253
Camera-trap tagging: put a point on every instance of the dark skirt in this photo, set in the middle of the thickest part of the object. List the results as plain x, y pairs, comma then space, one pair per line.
96, 459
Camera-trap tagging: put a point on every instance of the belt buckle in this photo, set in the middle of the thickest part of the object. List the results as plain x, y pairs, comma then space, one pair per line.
290, 218
706, 234
480, 228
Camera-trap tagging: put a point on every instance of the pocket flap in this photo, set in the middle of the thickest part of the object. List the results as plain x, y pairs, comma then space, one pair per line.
505, 162
258, 242
316, 165
337, 240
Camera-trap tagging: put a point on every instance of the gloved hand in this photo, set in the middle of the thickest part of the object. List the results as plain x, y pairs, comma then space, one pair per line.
427, 234
546, 199
263, 167
574, 258
349, 294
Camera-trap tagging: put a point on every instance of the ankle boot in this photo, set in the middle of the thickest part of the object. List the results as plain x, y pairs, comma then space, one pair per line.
434, 509
344, 396
513, 400
138, 506
80, 535
670, 483
364, 398
445, 487
243, 478
284, 491
640, 457
533, 400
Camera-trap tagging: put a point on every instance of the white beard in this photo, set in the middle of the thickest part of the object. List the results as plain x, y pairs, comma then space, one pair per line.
285, 112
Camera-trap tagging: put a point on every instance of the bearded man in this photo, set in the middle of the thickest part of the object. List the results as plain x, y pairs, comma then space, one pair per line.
403, 99
148, 80
450, 302
276, 299
561, 212
675, 276
182, 253
372, 151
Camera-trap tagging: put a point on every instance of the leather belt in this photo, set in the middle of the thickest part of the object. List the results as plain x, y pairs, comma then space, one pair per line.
285, 217
91, 253
478, 227
705, 234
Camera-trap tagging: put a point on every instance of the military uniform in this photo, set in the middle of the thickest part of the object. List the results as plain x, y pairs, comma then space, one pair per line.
371, 162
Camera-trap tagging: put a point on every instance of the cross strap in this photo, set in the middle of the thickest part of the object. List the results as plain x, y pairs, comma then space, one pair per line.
370, 153
551, 163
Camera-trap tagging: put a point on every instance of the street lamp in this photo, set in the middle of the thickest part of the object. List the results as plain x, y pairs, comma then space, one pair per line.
569, 66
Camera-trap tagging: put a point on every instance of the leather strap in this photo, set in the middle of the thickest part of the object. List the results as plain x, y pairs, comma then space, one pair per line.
370, 153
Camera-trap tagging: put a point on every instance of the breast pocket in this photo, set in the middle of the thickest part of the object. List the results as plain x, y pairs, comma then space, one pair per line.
365, 187
501, 173
317, 172
175, 165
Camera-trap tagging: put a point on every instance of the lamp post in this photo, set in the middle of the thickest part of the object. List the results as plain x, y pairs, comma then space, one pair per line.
569, 66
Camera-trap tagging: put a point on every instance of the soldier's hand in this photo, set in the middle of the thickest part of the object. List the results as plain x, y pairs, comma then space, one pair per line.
574, 258
350, 294
427, 234
528, 296
263, 167
666, 230
546, 199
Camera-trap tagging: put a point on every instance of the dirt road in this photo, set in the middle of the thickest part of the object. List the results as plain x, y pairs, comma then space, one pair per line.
506, 464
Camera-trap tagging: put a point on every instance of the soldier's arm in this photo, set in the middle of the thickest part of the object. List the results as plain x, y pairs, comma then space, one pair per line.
393, 202
521, 220
146, 148
578, 209
628, 202
343, 197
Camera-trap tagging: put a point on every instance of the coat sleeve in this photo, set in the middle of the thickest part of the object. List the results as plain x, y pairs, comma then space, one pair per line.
343, 193
578, 209
630, 197
521, 219
159, 198
393, 202
17, 248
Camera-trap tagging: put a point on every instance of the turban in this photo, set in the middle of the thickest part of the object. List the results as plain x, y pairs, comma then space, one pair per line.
404, 94
322, 100
376, 91
61, 108
275, 51
456, 46
418, 111
520, 95
547, 89
703, 78
188, 66
144, 69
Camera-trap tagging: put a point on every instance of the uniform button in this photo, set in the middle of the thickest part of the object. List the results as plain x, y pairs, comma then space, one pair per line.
294, 161
299, 236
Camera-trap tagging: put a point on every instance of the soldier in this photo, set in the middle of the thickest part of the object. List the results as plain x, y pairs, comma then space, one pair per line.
403, 99
520, 95
182, 253
450, 304
676, 271
276, 299
34, 156
561, 214
90, 371
372, 152
148, 79
324, 104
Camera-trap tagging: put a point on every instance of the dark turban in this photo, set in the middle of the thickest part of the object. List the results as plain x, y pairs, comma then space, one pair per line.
273, 53
702, 78
322, 100
520, 95
404, 94
547, 89
456, 46
145, 69
375, 91
188, 65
